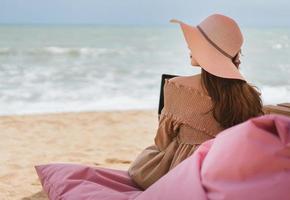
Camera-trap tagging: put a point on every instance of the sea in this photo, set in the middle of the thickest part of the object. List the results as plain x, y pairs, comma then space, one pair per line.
71, 68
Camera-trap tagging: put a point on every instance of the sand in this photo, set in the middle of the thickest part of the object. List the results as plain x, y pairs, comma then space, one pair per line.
107, 139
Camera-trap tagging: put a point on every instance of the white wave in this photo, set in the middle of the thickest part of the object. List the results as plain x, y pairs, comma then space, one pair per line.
277, 46
105, 104
79, 51
93, 51
4, 50
74, 51
7, 51
57, 50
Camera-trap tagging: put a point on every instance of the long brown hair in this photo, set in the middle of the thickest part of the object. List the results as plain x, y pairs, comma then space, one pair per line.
234, 100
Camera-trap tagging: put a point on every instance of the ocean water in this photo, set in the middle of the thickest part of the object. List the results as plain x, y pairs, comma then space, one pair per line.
46, 69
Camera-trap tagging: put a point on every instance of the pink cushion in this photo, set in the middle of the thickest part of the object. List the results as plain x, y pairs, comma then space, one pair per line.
70, 181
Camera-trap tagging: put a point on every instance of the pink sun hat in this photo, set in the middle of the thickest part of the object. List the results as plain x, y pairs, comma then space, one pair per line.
214, 43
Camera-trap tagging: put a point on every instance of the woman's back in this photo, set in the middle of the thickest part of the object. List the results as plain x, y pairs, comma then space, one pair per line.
186, 121
187, 108
187, 104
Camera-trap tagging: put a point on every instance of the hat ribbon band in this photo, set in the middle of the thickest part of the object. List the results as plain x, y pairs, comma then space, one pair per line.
213, 44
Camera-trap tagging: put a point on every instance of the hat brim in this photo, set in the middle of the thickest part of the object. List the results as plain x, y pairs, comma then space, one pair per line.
207, 56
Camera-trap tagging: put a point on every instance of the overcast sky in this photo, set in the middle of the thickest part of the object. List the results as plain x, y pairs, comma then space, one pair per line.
143, 12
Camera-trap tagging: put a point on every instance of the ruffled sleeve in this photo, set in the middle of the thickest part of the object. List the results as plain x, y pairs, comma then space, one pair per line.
166, 132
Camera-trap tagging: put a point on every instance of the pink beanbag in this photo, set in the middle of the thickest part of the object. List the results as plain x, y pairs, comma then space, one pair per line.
77, 182
250, 161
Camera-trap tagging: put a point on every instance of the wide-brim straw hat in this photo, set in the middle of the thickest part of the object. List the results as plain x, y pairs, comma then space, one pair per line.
214, 43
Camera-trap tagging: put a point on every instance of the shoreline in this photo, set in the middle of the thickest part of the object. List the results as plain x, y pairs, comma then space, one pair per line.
77, 112
100, 139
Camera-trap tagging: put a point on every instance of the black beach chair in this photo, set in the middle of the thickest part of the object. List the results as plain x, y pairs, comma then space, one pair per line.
161, 96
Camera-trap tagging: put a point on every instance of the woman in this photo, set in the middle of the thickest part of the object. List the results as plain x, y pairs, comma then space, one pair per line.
197, 108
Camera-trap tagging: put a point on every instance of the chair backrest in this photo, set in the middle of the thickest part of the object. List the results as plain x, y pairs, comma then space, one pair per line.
161, 96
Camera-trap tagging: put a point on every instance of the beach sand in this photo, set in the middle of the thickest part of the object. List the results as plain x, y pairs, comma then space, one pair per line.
107, 139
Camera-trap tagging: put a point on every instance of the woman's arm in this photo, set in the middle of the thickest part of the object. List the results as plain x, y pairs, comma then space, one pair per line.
166, 131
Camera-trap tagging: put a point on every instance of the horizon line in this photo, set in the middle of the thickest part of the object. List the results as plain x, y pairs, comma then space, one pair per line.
126, 25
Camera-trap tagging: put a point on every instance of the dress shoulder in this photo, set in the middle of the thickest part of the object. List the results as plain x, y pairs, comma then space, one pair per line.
193, 82
185, 89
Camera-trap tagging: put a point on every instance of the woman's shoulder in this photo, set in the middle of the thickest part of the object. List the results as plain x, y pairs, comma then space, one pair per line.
191, 82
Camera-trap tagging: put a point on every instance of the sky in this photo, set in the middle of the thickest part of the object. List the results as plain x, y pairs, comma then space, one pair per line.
143, 12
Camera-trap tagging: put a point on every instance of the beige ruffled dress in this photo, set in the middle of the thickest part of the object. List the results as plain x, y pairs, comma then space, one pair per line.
185, 122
